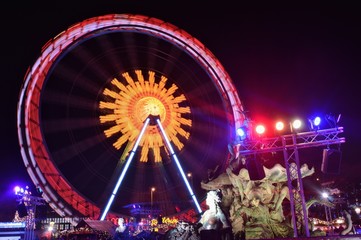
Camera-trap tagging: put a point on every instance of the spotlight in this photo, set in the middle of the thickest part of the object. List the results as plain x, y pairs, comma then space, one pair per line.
280, 126
296, 125
325, 195
242, 133
260, 129
314, 123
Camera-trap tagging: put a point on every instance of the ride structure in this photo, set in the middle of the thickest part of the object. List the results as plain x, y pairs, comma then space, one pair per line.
84, 111
84, 102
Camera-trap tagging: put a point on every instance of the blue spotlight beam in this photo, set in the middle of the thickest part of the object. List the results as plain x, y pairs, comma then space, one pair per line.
172, 153
121, 177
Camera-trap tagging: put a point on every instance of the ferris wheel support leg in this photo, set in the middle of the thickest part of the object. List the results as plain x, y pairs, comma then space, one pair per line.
174, 156
121, 177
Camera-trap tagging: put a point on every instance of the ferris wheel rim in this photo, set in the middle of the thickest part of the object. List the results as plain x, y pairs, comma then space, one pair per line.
28, 129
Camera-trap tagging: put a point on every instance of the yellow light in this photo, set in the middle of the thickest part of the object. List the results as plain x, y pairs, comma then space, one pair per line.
125, 107
340, 220
154, 222
169, 221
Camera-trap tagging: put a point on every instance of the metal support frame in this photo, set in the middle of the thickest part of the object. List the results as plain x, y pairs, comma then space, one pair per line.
125, 169
174, 156
31, 202
151, 120
329, 218
290, 144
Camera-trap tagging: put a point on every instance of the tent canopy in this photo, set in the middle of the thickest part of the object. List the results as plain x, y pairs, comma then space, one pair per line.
106, 226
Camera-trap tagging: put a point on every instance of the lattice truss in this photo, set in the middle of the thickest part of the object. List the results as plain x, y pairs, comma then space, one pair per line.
290, 144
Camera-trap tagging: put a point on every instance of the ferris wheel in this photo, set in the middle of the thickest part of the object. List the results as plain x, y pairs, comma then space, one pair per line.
118, 104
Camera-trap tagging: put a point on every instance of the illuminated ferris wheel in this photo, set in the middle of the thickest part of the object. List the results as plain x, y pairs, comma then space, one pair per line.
118, 104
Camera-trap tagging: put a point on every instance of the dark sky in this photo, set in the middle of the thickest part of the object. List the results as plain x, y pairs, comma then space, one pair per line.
285, 60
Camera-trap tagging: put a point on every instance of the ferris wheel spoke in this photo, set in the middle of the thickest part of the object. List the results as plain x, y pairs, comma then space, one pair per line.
124, 171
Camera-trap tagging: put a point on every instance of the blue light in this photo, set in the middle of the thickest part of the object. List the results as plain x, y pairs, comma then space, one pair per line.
242, 133
317, 121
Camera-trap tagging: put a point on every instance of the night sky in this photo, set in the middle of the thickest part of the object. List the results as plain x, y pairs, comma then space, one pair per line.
285, 61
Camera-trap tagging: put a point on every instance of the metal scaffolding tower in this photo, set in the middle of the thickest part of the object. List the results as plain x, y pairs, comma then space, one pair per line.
289, 145
30, 202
